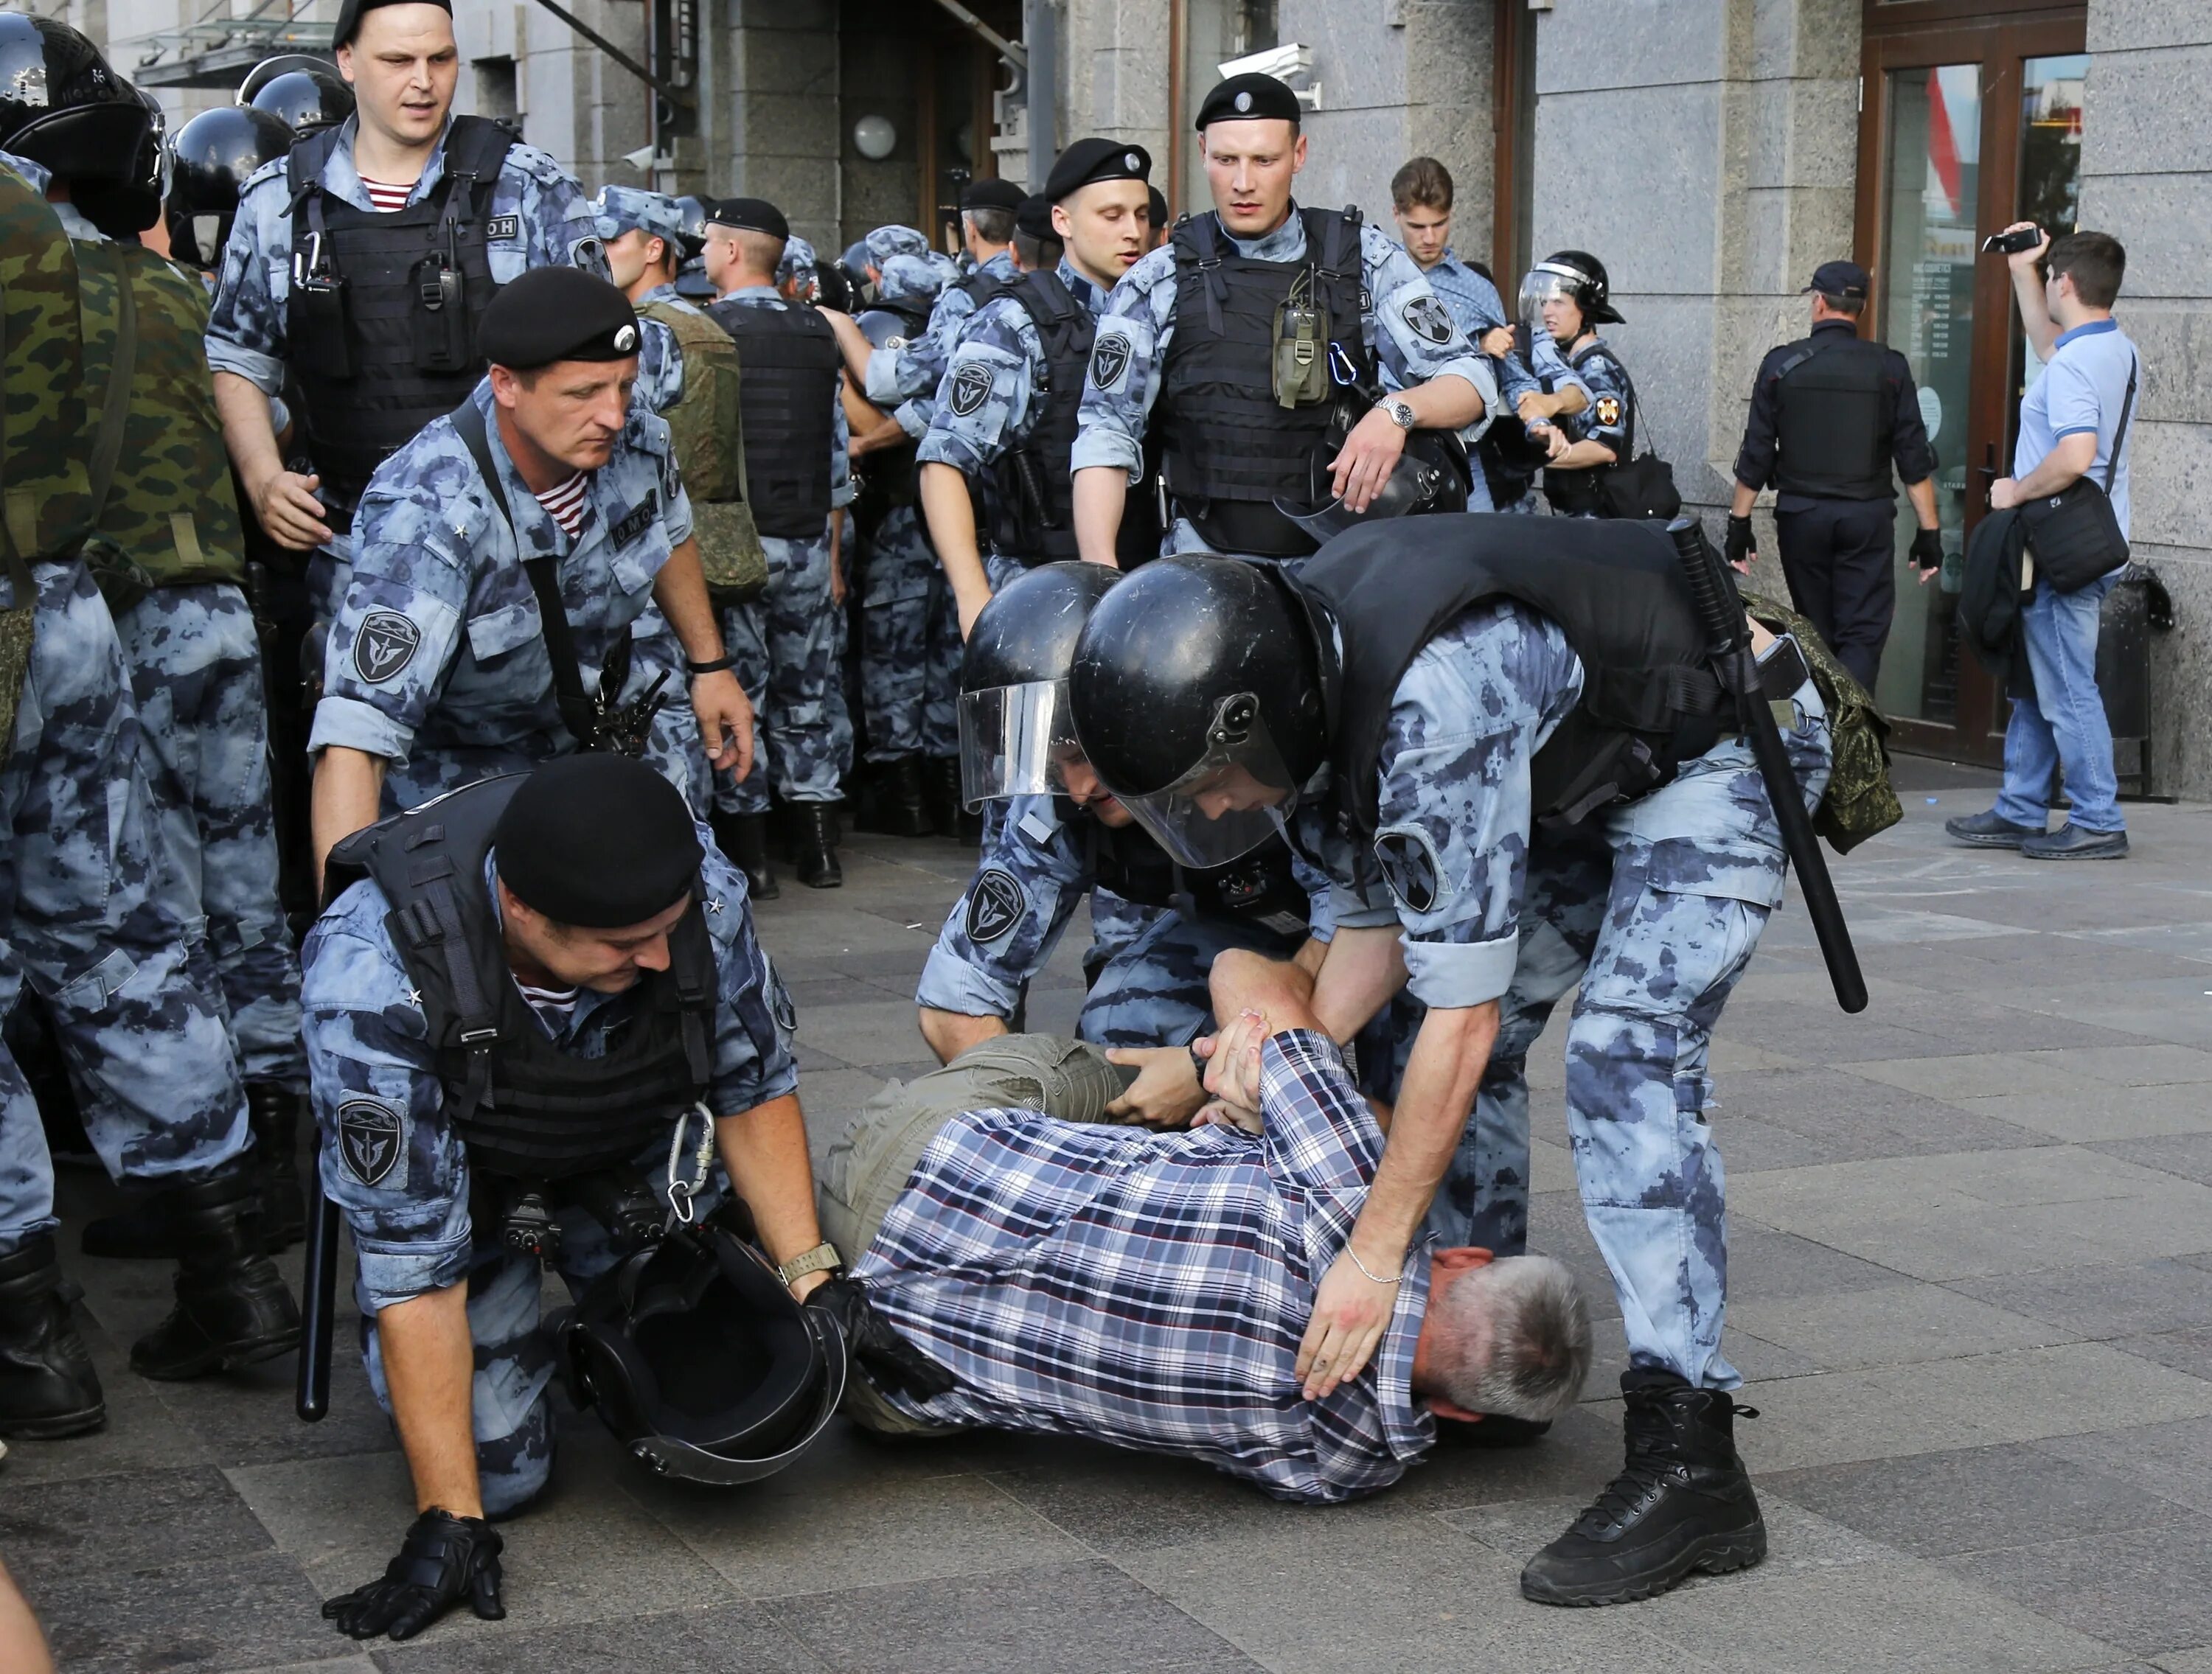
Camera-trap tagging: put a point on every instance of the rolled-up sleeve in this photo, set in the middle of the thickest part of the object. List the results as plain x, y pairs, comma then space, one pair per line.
756, 1021
1127, 351
246, 321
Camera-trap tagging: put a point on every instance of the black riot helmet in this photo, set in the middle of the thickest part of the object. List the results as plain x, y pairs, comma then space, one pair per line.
691, 236
700, 1361
210, 159
282, 63
307, 95
1196, 694
1431, 475
63, 105
1574, 274
1015, 735
834, 287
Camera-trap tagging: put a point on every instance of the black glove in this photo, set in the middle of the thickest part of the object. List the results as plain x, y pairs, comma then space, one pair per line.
891, 1362
1740, 548
1928, 549
444, 1560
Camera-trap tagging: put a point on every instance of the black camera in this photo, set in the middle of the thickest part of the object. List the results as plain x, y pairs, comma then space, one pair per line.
2011, 244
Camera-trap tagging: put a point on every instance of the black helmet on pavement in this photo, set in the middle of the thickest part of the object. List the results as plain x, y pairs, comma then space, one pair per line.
700, 1361
1431, 475
1196, 692
1576, 275
305, 95
63, 105
1014, 730
210, 159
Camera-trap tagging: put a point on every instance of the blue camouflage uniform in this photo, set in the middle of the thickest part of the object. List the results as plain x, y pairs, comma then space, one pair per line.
436, 658
620, 209
1610, 419
911, 369
788, 644
1474, 303
1653, 908
551, 225
796, 266
1141, 312
411, 1226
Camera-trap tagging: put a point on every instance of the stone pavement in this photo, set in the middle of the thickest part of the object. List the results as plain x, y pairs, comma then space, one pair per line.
1972, 1265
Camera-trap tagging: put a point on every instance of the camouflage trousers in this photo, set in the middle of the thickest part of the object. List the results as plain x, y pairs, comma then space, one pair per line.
195, 661
1649, 914
786, 644
1152, 990
92, 930
909, 643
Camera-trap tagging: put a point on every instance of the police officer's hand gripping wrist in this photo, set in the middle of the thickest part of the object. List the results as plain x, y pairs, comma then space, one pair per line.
1740, 545
891, 1362
444, 1560
1928, 549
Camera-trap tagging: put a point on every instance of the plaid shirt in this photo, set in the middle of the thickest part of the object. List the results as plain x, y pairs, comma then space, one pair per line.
1150, 1289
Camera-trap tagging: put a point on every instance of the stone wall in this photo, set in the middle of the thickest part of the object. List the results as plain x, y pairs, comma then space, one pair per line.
780, 102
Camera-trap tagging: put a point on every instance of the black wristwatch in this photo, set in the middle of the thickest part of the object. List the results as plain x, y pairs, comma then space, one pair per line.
728, 659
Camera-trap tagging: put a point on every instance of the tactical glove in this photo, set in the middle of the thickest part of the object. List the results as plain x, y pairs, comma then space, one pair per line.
1740, 548
444, 1560
1928, 549
891, 1362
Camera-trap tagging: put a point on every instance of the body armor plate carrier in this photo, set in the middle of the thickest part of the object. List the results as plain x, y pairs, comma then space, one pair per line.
789, 363
1831, 419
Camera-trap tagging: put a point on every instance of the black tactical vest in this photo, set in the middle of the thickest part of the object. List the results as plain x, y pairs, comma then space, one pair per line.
528, 1109
1228, 447
789, 363
1831, 419
1032, 493
1573, 492
1258, 890
384, 307
1616, 589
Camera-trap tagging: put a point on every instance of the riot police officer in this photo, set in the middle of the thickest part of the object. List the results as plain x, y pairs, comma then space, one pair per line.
911, 368
1198, 693
792, 417
326, 303
1568, 296
1243, 343
302, 92
211, 159
1830, 415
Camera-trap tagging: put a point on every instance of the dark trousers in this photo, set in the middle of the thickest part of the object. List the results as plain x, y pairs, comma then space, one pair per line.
1839, 557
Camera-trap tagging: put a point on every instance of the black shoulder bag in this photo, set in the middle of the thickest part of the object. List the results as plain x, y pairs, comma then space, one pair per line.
1640, 485
2074, 534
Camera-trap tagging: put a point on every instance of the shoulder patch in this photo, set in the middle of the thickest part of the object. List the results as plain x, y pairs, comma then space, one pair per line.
971, 388
384, 643
1409, 867
503, 226
1109, 359
635, 521
995, 905
1606, 408
1426, 317
369, 1140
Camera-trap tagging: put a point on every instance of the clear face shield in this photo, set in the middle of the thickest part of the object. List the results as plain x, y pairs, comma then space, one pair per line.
1015, 741
1546, 282
1237, 796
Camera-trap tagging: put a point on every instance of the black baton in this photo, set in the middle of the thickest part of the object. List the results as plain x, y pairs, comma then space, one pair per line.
1728, 638
320, 1287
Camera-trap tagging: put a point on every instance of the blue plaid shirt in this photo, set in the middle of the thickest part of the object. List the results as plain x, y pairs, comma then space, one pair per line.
1150, 1289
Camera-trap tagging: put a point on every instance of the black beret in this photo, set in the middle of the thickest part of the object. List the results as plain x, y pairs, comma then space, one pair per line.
992, 195
351, 13
1157, 205
1249, 97
557, 313
1034, 219
598, 841
749, 215
1089, 159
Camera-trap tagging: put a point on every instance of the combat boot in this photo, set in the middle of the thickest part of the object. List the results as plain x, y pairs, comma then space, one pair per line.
47, 1386
233, 1309
1682, 1503
901, 810
273, 1111
814, 844
743, 839
947, 811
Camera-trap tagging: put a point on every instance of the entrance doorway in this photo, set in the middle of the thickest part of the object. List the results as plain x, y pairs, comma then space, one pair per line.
1970, 119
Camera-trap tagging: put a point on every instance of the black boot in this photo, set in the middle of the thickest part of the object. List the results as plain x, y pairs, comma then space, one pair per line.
47, 1386
743, 840
901, 808
941, 792
273, 1110
232, 1307
1682, 1503
137, 1232
814, 844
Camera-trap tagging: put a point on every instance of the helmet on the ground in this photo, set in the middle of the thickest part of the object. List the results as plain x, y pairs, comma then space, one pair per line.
63, 105
210, 159
1196, 692
1576, 275
1015, 734
700, 1361
1431, 475
307, 95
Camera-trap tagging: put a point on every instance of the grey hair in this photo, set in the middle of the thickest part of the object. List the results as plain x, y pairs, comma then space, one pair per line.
1513, 1338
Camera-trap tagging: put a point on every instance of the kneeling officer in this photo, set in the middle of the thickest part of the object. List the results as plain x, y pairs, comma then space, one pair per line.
518, 1024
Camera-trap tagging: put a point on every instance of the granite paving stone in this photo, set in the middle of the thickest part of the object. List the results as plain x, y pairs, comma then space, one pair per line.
2147, 1590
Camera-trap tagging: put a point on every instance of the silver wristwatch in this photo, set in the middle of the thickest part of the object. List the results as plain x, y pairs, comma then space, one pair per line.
1401, 412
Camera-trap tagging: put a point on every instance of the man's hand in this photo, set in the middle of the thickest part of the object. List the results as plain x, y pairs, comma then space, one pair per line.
289, 512
1165, 1094
1555, 441
1232, 1060
1370, 452
1741, 548
726, 720
2004, 494
1497, 341
1351, 1313
891, 1362
444, 1560
2024, 261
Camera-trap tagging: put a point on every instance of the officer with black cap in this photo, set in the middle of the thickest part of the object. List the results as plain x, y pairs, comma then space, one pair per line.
1157, 209
210, 159
358, 272
526, 583
1253, 348
988, 209
1830, 415
1036, 242
547, 1074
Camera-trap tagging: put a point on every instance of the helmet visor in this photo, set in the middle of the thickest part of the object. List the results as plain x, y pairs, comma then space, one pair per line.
1543, 283
1235, 799
1015, 741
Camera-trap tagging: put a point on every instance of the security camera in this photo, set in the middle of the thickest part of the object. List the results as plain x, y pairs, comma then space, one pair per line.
1292, 64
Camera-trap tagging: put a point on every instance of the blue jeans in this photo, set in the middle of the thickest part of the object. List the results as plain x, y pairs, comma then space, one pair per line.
2063, 724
